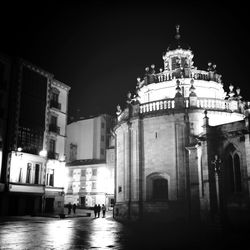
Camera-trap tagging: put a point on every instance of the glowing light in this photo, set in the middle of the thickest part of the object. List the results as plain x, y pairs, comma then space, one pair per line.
43, 153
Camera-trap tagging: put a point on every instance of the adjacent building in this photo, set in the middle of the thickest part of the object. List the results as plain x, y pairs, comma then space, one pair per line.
5, 68
33, 158
90, 162
182, 145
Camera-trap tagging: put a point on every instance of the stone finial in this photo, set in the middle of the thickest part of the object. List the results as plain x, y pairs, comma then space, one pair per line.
152, 69
192, 88
209, 68
231, 92
178, 89
238, 91
239, 97
118, 110
205, 119
138, 79
147, 69
177, 35
231, 87
160, 70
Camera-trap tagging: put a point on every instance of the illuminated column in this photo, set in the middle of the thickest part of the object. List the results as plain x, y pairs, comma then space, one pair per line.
194, 182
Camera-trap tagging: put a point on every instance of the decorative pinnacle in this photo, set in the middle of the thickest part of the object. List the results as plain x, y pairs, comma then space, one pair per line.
177, 36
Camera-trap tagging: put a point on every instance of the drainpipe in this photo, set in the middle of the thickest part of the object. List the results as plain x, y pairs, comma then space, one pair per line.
129, 168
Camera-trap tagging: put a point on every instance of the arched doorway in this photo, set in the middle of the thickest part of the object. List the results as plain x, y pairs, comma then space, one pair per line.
157, 187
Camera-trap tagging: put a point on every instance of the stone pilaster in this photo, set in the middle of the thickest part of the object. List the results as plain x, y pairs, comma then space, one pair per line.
194, 182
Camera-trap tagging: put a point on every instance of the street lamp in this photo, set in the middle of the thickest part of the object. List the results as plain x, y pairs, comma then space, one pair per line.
217, 170
43, 153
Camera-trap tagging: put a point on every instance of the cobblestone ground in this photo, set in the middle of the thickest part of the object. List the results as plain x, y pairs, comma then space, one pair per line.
77, 232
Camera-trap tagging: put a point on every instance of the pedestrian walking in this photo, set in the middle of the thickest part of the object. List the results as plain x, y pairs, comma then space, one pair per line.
95, 210
69, 208
74, 208
98, 210
103, 211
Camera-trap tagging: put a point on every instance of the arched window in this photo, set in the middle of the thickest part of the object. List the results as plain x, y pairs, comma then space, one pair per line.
237, 173
230, 174
233, 173
160, 189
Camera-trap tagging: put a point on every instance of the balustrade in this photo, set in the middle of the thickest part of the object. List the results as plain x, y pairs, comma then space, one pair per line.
169, 104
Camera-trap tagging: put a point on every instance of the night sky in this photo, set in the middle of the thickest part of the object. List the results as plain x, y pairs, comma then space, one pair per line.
99, 49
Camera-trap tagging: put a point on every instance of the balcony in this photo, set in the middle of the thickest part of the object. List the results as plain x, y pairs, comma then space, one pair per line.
52, 155
182, 73
54, 128
54, 104
186, 103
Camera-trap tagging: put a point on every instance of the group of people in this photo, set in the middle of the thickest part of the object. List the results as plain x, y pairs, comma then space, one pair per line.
97, 210
71, 207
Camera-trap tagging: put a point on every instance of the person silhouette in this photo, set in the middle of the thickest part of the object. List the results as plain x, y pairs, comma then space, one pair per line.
69, 208
98, 210
95, 210
74, 208
103, 211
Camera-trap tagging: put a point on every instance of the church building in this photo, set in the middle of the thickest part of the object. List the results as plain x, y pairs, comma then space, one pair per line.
182, 145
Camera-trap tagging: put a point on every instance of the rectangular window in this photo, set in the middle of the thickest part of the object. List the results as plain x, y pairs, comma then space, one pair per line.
102, 138
102, 151
37, 172
119, 189
51, 178
52, 145
73, 152
20, 175
83, 172
70, 173
53, 120
93, 185
94, 171
28, 174
102, 124
54, 97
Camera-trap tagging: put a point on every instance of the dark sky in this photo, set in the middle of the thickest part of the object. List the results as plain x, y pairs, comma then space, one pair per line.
99, 49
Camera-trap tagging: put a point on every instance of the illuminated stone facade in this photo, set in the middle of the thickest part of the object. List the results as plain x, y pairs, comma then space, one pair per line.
90, 162
182, 145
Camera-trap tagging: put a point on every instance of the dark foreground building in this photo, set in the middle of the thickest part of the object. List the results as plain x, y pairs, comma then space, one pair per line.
182, 145
32, 139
